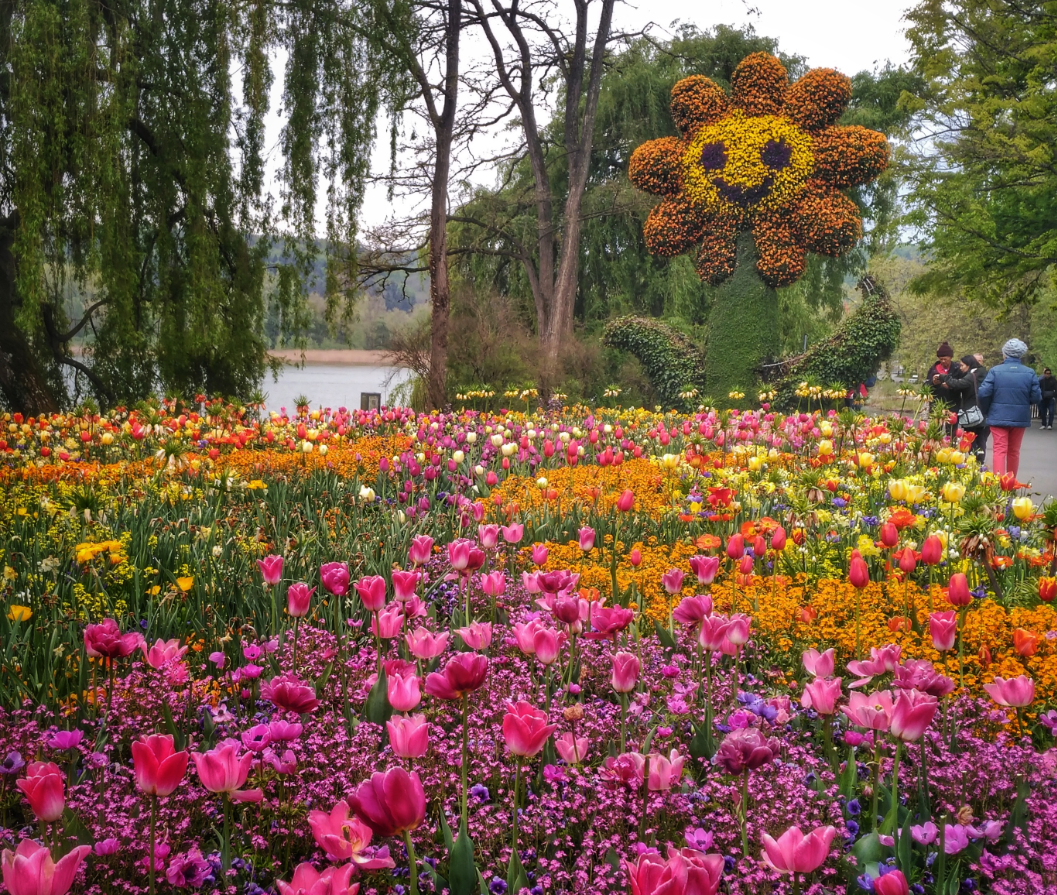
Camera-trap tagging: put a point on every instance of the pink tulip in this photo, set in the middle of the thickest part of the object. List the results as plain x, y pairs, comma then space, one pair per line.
390, 803
958, 590
932, 550
493, 584
794, 852
404, 691
371, 590
309, 881
539, 554
488, 535
587, 538
705, 568
692, 610
883, 660
408, 735
546, 645
943, 627
421, 550
891, 883
672, 581
1016, 692
105, 640
911, 715
736, 547
223, 770
459, 554
478, 636
257, 738
687, 871
531, 582
525, 633
745, 749
298, 599
45, 790
818, 664
290, 693
30, 870
738, 626
335, 578
388, 623
462, 675
513, 533
570, 748
625, 672
163, 652
870, 710
822, 695
404, 584
426, 645
858, 572
778, 539
159, 768
665, 771
271, 569
608, 621
713, 633
345, 838
525, 729
626, 501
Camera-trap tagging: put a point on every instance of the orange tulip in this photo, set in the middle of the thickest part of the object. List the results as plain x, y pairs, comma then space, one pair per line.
1026, 643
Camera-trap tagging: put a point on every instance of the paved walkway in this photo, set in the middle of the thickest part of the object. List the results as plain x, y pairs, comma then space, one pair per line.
1038, 460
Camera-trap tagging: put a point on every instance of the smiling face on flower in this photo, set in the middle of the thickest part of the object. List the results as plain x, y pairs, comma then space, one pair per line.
769, 158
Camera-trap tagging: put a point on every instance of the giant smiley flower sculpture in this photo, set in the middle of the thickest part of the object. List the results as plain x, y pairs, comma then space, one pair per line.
769, 159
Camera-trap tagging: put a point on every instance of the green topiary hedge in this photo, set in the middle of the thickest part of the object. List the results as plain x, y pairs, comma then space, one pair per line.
669, 358
865, 339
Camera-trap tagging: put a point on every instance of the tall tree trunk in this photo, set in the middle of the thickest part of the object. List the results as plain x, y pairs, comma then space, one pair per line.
439, 285
22, 381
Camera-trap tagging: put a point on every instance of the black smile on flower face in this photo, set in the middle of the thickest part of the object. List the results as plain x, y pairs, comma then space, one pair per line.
775, 154
744, 195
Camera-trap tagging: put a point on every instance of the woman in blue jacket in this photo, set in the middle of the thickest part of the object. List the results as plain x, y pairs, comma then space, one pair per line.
1006, 396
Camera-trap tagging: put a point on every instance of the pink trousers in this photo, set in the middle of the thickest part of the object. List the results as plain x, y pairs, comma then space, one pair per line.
1006, 448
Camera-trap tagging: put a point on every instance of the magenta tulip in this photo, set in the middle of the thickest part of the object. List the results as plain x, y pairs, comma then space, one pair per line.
870, 710
587, 538
224, 770
105, 640
912, 714
309, 881
404, 691
818, 664
477, 636
426, 645
693, 610
371, 590
571, 749
271, 569
1016, 692
459, 554
335, 578
713, 633
892, 882
745, 749
298, 599
159, 768
687, 871
705, 568
943, 628
345, 838
822, 695
665, 771
793, 852
44, 789
404, 584
30, 870
163, 652
390, 803
525, 729
513, 533
493, 584
462, 675
421, 550
408, 735
539, 554
672, 581
289, 692
546, 645
625, 672
388, 623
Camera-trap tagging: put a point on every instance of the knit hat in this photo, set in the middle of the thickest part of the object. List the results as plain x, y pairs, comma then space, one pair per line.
945, 350
1014, 348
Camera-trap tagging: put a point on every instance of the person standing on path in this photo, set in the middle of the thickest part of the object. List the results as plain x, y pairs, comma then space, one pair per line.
1006, 396
963, 384
934, 379
1048, 387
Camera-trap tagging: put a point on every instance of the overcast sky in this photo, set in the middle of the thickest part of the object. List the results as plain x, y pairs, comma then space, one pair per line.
849, 36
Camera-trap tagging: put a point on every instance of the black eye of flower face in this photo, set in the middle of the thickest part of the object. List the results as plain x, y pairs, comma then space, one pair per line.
776, 154
713, 156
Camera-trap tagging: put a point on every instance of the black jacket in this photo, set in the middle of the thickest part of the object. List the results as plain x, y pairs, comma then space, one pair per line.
939, 393
1048, 385
960, 388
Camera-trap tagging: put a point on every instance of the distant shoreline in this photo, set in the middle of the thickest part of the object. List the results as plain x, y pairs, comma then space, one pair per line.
338, 357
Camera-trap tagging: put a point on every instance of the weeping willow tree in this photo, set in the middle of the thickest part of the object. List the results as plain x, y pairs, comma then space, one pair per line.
142, 239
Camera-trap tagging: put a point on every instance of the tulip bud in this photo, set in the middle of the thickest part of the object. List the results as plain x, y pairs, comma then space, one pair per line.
958, 590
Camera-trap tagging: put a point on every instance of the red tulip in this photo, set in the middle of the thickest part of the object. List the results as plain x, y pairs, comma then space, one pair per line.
462, 675
932, 550
30, 870
625, 672
889, 535
736, 547
626, 501
858, 571
105, 640
908, 561
525, 729
778, 539
271, 569
958, 590
390, 803
159, 768
1025, 643
891, 883
635, 557
1047, 589
793, 852
45, 790
409, 736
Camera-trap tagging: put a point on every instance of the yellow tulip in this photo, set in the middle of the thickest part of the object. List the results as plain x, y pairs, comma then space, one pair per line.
1023, 508
185, 583
755, 464
825, 447
953, 492
20, 613
957, 458
897, 489
865, 459
916, 493
943, 455
826, 428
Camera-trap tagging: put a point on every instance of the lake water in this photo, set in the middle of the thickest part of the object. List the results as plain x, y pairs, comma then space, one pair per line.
330, 385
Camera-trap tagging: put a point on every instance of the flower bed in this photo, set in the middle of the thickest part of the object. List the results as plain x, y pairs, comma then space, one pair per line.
582, 651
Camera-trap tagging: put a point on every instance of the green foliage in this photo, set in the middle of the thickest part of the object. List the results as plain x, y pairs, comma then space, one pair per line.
985, 184
743, 328
670, 359
866, 338
133, 167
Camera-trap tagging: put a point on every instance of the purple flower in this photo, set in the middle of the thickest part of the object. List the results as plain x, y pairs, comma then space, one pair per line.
12, 764
107, 847
188, 870
65, 739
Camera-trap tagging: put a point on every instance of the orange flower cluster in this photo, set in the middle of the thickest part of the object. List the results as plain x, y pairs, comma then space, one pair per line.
769, 159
